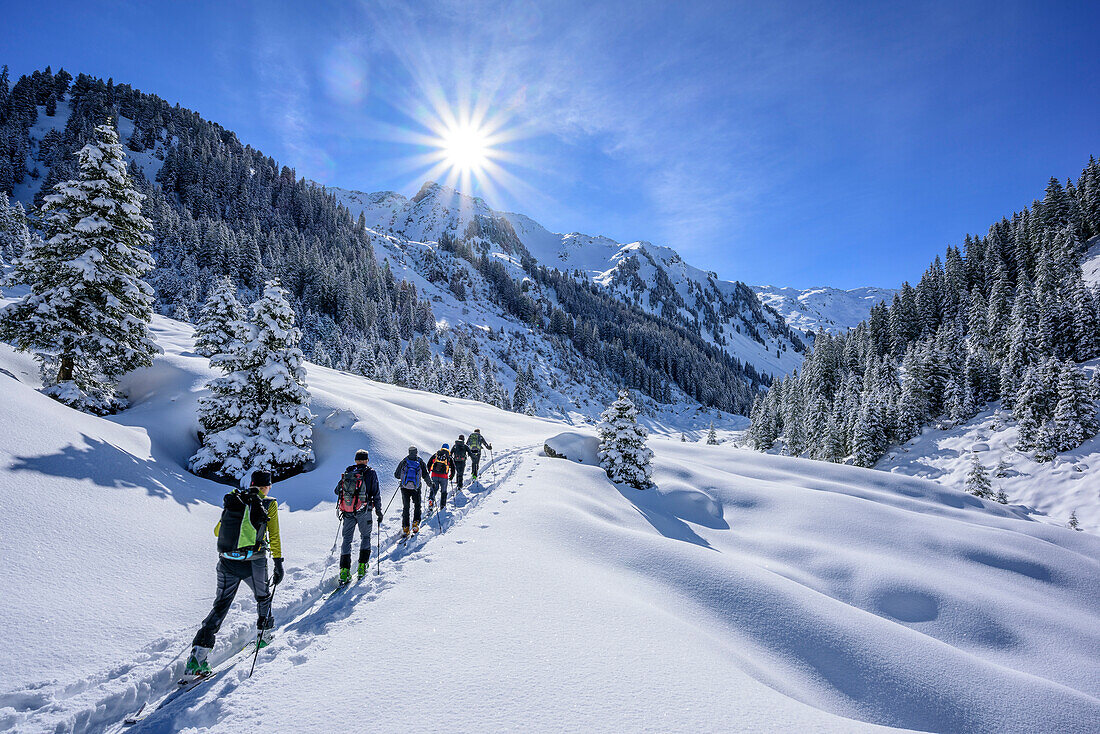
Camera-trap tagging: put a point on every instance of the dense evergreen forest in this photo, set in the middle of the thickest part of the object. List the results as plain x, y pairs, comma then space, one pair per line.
1005, 317
221, 209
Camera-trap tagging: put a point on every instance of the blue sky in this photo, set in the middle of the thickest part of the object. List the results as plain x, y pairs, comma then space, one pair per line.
787, 143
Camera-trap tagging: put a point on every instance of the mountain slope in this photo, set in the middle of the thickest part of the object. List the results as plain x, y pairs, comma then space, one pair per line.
822, 309
656, 279
749, 592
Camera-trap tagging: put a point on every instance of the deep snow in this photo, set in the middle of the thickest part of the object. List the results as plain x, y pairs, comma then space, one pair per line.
750, 592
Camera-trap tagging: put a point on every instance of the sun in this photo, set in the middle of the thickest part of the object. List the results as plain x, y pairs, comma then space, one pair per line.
466, 149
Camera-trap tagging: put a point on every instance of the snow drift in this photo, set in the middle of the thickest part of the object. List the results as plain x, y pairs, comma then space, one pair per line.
749, 592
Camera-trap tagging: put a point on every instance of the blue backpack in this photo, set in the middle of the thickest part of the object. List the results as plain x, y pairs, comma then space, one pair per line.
411, 479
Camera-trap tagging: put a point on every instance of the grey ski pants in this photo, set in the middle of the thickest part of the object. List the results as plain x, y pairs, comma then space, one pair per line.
362, 520
230, 576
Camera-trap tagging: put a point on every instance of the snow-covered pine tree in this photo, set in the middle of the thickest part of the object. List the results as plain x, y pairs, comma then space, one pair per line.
1002, 469
284, 438
1075, 418
1002, 497
222, 323
15, 235
712, 436
521, 396
86, 317
977, 480
257, 415
868, 438
623, 451
1074, 523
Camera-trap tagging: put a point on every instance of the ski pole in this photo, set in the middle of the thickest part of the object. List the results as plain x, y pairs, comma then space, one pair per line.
334, 542
493, 463
378, 551
392, 498
259, 636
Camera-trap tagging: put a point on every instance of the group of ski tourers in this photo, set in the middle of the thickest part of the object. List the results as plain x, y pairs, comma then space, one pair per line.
249, 530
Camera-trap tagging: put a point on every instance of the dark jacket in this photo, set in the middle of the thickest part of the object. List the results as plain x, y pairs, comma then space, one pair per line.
459, 451
399, 473
369, 493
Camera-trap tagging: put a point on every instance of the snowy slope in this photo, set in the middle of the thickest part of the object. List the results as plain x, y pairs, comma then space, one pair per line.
654, 278
1070, 483
750, 593
1091, 265
822, 309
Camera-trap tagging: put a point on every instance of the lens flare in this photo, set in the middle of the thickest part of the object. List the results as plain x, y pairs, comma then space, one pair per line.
465, 148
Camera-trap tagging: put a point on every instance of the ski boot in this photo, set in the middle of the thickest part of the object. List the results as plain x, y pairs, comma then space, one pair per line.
345, 576
265, 638
431, 506
362, 570
415, 528
197, 665
404, 531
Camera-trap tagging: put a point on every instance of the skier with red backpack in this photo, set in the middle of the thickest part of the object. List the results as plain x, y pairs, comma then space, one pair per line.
442, 468
357, 492
411, 472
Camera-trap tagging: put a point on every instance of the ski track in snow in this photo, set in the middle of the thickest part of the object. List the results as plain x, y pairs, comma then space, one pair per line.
101, 702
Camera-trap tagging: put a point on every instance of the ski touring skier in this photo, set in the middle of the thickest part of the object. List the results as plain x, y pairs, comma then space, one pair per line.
441, 468
459, 454
357, 492
475, 443
411, 472
247, 532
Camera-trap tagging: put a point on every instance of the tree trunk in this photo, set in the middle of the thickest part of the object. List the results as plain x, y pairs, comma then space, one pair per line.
65, 372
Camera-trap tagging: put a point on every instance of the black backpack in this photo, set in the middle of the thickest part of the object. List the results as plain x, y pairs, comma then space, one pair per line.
243, 524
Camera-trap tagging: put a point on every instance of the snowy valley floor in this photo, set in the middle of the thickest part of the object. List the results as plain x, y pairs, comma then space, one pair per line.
750, 593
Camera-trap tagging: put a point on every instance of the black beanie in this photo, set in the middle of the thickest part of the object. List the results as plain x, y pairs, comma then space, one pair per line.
261, 479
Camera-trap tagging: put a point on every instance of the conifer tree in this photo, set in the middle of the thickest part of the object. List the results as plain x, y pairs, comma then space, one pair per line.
1074, 523
623, 451
15, 235
977, 480
712, 436
87, 315
257, 416
222, 322
1075, 418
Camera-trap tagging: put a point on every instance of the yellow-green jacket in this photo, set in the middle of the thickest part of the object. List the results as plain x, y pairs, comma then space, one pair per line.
272, 542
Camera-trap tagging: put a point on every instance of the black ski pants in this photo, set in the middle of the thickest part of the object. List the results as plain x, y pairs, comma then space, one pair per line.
475, 462
410, 495
439, 484
460, 471
230, 575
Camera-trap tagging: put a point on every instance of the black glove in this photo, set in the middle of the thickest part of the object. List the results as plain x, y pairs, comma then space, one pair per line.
279, 573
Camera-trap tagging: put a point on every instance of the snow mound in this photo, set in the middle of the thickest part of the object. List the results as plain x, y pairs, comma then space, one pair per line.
579, 447
339, 420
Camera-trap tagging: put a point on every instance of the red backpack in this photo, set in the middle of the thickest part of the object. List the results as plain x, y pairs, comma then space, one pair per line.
350, 493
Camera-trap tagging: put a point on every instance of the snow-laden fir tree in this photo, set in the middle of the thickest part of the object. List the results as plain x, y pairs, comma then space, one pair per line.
221, 322
1002, 497
1074, 523
977, 480
15, 235
712, 436
285, 435
257, 414
1075, 418
86, 317
623, 451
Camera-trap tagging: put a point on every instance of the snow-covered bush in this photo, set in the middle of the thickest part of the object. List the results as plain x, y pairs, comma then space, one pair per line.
257, 415
86, 317
623, 451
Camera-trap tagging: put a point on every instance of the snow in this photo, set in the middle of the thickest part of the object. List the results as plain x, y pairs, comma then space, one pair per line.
749, 592
1051, 491
1090, 266
823, 309
582, 448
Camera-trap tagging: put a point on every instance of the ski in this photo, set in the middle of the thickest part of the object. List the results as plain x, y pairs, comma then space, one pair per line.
183, 687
